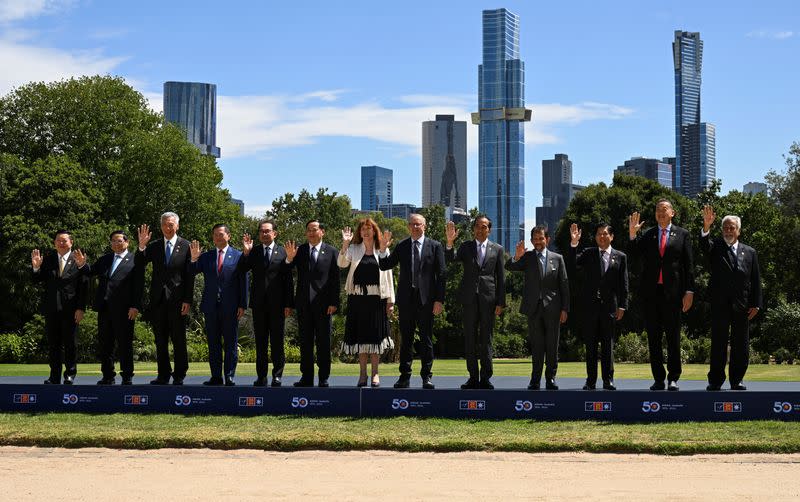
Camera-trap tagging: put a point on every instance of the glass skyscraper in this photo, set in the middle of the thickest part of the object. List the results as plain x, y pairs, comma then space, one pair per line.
444, 162
695, 145
192, 106
557, 191
376, 187
652, 169
501, 147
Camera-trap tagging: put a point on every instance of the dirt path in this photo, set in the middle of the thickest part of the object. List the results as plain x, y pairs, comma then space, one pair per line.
103, 474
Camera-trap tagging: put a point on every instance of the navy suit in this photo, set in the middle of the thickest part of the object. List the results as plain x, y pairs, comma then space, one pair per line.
61, 297
735, 288
416, 303
116, 294
317, 289
224, 291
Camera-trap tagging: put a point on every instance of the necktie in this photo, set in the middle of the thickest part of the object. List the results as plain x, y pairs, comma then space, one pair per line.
662, 246
481, 253
732, 257
541, 262
61, 265
220, 259
267, 255
604, 261
415, 267
313, 256
168, 253
114, 264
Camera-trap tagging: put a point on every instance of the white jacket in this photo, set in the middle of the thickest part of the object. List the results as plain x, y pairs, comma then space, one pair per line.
353, 256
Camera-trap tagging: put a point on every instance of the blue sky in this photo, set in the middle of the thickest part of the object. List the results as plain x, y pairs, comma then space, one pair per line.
310, 91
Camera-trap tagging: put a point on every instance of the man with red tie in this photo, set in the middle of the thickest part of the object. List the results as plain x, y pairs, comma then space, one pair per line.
666, 288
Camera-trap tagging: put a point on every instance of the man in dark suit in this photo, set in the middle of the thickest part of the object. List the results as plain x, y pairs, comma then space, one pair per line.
316, 300
171, 290
482, 293
118, 301
224, 302
545, 300
666, 288
604, 298
271, 299
735, 298
420, 294
62, 304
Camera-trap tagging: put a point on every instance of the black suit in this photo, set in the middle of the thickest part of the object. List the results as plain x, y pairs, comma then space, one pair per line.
416, 303
270, 294
317, 289
543, 300
735, 288
604, 291
116, 293
482, 289
61, 297
172, 284
663, 301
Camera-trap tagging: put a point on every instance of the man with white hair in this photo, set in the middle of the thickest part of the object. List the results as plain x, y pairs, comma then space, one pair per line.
735, 298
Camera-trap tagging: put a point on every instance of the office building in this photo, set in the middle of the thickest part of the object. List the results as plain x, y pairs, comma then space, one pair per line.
754, 187
652, 169
444, 163
376, 187
500, 119
557, 191
192, 106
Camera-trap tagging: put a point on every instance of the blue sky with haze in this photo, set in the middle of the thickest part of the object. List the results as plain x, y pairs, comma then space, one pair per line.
310, 91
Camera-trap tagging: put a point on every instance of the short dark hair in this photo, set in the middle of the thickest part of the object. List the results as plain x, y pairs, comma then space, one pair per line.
119, 232
603, 225
540, 228
482, 217
262, 222
309, 222
221, 225
62, 231
664, 199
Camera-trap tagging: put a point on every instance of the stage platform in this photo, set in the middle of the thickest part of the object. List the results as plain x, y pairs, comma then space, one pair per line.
510, 399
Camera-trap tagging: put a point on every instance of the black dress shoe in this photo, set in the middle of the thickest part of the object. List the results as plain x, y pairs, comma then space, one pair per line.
323, 383
672, 385
52, 381
303, 383
713, 387
214, 381
738, 386
470, 384
127, 381
105, 381
589, 386
276, 382
609, 385
177, 381
551, 385
362, 383
68, 379
402, 383
159, 381
486, 384
658, 386
260, 382
534, 385
230, 382
427, 384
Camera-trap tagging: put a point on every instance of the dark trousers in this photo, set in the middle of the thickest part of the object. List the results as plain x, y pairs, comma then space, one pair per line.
222, 327
415, 316
728, 324
478, 328
662, 316
114, 328
268, 328
315, 330
543, 333
61, 335
598, 326
168, 324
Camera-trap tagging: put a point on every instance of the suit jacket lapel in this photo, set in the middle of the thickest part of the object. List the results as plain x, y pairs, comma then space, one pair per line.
122, 263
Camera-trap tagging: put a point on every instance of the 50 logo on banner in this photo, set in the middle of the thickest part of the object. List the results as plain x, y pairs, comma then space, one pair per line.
782, 407
521, 405
69, 399
299, 402
399, 404
181, 400
651, 406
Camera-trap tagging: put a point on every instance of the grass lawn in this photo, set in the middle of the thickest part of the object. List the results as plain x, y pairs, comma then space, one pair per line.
283, 433
445, 367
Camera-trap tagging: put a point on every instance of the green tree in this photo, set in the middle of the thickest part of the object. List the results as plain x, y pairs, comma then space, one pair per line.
291, 212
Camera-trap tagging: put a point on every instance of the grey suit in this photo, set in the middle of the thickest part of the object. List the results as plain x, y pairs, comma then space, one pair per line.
543, 299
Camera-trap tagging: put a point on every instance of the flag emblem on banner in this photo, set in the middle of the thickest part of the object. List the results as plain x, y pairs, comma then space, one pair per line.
137, 400
597, 406
251, 401
472, 404
727, 407
24, 398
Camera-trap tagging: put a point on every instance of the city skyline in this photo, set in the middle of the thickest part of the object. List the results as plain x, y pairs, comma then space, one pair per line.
317, 112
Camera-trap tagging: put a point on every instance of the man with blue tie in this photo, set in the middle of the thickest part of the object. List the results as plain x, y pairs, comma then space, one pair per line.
118, 301
224, 302
171, 292
545, 300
